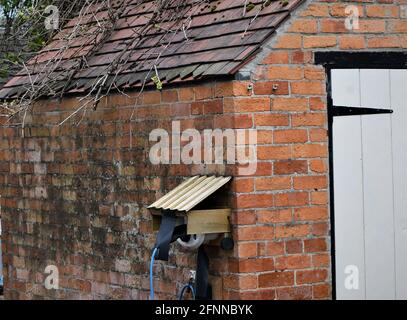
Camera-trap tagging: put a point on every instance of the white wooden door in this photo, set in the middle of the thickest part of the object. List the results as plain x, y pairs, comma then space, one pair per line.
370, 184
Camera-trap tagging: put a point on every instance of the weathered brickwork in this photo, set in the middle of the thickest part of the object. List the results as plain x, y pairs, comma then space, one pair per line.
283, 227
76, 196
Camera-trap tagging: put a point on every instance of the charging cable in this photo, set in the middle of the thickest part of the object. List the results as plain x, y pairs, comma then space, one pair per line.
155, 251
187, 286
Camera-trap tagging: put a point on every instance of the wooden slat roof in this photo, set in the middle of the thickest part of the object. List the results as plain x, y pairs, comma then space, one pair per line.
216, 45
190, 193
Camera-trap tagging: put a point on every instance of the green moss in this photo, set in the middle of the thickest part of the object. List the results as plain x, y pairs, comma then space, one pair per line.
250, 6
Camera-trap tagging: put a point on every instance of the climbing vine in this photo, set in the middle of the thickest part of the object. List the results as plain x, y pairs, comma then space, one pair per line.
45, 78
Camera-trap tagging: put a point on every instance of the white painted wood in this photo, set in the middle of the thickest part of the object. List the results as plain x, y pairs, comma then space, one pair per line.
378, 186
398, 81
375, 88
370, 182
345, 87
348, 184
378, 207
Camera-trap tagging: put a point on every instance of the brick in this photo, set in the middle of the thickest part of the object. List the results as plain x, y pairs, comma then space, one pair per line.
317, 103
266, 294
263, 169
243, 185
274, 216
246, 104
294, 293
301, 57
351, 42
232, 89
318, 166
290, 104
255, 233
339, 10
303, 26
310, 151
180, 109
271, 88
310, 182
233, 121
318, 135
372, 26
186, 94
271, 248
275, 183
334, 26
311, 276
213, 106
276, 279
169, 96
292, 231
293, 246
315, 245
320, 229
247, 249
321, 291
384, 42
151, 97
204, 92
293, 262
255, 201
307, 87
289, 42
311, 214
319, 197
319, 41
276, 57
285, 73
314, 73
244, 218
290, 167
241, 282
290, 136
274, 152
316, 10
321, 260
256, 265
380, 11
271, 119
291, 199
122, 265
264, 137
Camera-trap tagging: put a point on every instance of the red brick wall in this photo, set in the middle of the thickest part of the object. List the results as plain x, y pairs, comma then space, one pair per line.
283, 225
76, 196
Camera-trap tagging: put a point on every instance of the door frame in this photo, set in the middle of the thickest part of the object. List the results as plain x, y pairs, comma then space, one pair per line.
349, 60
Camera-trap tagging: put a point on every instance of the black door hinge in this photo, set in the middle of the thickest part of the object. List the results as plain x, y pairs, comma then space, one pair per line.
339, 111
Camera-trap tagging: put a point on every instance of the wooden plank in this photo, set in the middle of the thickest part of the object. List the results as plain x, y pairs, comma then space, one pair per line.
345, 87
398, 80
375, 88
208, 221
378, 187
348, 186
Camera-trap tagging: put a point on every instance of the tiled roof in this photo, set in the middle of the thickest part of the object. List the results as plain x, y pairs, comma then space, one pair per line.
214, 44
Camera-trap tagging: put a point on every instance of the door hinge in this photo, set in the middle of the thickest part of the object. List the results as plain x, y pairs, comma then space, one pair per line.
340, 111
